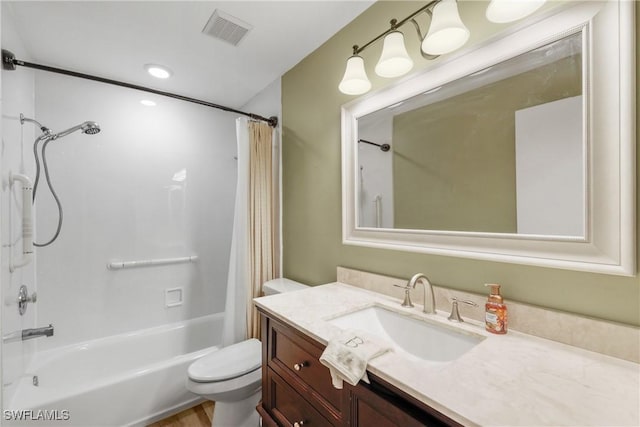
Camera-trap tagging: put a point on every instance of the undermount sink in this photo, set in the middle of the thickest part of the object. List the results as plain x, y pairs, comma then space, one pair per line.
419, 338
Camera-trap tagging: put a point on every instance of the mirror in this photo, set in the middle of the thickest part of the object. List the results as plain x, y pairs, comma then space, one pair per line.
471, 155
519, 150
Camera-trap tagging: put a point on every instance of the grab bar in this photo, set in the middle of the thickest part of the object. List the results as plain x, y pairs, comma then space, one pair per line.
119, 265
377, 206
27, 221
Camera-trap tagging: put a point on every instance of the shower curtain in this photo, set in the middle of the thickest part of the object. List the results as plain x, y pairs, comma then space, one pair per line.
253, 257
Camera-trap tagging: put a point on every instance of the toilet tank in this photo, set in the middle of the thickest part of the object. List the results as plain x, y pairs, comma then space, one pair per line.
278, 286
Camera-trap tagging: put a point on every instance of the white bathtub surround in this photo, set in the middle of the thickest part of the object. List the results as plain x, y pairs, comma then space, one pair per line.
17, 97
129, 379
513, 379
152, 185
610, 338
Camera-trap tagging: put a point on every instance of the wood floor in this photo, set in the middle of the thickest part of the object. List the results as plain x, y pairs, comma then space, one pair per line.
198, 416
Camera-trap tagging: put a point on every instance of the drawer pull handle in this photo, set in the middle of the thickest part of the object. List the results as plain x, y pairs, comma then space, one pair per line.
297, 367
298, 424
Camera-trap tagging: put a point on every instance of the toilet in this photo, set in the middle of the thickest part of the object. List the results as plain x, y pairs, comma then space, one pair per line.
232, 377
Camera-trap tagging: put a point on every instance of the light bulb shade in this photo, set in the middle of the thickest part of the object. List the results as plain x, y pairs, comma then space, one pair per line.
446, 32
395, 60
502, 11
354, 81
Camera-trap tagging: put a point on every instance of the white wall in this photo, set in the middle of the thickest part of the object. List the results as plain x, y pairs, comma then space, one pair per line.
268, 102
376, 173
123, 199
550, 161
17, 97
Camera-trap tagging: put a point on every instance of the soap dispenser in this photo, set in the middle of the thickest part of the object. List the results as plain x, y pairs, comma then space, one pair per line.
495, 311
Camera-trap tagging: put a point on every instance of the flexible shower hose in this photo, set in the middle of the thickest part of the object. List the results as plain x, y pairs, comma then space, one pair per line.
47, 139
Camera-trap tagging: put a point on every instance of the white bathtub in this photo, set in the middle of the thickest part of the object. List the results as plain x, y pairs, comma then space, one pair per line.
130, 379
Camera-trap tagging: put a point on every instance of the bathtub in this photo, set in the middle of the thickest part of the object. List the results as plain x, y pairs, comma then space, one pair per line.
131, 379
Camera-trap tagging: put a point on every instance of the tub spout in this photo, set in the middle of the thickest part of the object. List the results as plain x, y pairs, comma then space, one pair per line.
28, 334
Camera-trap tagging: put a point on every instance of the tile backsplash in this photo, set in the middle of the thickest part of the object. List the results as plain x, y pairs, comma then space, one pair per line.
612, 339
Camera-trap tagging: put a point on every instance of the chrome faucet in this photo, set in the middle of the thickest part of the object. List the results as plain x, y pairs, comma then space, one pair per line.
28, 334
429, 305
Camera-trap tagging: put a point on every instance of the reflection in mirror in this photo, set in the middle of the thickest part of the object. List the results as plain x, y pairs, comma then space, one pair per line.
501, 150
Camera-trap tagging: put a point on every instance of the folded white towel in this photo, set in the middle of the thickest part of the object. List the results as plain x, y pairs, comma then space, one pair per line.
347, 356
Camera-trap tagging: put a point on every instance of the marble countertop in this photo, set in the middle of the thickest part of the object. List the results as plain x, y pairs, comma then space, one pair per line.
505, 380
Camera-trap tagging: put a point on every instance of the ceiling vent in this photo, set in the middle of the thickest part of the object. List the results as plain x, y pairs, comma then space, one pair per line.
225, 27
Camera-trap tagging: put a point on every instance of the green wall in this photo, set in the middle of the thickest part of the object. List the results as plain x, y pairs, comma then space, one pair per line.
454, 160
312, 195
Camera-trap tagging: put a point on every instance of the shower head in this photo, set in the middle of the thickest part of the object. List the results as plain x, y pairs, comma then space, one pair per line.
90, 128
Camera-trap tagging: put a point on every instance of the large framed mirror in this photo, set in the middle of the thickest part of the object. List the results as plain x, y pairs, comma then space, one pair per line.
520, 150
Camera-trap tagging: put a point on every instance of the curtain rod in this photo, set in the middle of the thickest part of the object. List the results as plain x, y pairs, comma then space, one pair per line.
9, 62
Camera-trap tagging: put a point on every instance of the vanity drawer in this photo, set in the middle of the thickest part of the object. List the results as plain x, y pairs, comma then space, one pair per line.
288, 408
292, 356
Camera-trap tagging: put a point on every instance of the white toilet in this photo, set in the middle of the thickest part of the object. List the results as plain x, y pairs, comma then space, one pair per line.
231, 376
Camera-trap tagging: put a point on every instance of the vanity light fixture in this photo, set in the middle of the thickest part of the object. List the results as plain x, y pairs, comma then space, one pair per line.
395, 60
446, 34
502, 11
158, 71
355, 81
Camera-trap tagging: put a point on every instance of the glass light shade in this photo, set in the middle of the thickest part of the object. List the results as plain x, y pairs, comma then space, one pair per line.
502, 11
354, 81
395, 60
446, 32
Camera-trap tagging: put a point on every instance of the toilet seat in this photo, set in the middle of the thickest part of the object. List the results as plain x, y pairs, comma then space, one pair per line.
227, 363
229, 390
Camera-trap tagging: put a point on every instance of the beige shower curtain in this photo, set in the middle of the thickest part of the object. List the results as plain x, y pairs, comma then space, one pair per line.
262, 221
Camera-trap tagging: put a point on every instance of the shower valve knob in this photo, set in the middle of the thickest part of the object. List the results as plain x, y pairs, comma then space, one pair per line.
24, 299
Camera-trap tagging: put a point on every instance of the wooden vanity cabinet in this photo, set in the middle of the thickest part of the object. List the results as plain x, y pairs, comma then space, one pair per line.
297, 389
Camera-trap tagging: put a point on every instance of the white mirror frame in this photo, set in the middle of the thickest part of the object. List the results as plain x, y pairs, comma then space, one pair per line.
610, 139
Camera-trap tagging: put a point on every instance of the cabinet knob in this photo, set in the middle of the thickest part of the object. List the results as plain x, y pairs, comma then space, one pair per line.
298, 424
297, 367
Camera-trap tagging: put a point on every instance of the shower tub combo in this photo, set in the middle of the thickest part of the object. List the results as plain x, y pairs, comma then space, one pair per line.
130, 379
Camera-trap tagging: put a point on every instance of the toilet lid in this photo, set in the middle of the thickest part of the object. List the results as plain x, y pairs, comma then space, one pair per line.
228, 362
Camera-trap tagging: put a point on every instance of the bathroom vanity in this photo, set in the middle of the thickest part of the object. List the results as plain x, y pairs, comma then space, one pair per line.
297, 389
513, 379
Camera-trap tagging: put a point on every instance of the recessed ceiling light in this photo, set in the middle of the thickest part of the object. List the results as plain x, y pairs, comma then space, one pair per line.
158, 71
148, 103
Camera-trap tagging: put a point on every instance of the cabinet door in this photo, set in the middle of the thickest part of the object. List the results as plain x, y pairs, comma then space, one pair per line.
288, 407
296, 360
370, 409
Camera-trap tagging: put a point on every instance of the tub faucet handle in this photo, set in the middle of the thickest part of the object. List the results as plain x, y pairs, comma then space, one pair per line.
24, 299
